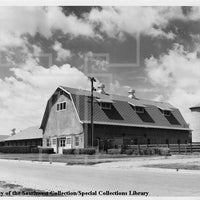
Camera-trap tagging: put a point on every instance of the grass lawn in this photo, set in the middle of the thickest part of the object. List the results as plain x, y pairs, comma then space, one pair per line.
186, 166
68, 159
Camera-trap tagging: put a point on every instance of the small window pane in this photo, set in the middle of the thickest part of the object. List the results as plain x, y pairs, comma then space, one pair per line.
68, 140
139, 109
105, 105
62, 142
76, 141
54, 141
64, 105
48, 142
58, 106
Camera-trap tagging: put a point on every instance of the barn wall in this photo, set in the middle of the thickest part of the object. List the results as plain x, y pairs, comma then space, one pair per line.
63, 126
195, 125
62, 123
27, 142
129, 134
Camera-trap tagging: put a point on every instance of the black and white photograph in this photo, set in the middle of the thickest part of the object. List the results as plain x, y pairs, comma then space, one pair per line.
99, 101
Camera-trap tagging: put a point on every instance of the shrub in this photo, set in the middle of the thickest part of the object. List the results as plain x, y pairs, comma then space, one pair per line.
34, 150
145, 151
88, 151
68, 151
163, 151
15, 149
114, 151
129, 151
47, 150
124, 148
136, 152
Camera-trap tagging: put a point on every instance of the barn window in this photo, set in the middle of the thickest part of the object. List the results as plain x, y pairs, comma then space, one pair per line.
169, 116
166, 112
186, 142
68, 140
64, 105
105, 105
139, 109
58, 107
48, 142
76, 141
61, 106
135, 141
148, 141
54, 141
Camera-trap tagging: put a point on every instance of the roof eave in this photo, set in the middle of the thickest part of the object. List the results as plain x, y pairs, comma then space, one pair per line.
139, 125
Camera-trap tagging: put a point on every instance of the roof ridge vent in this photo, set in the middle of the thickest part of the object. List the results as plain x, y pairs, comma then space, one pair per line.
131, 94
101, 89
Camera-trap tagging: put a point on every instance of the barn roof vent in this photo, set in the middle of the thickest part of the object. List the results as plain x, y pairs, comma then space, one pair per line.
131, 94
101, 89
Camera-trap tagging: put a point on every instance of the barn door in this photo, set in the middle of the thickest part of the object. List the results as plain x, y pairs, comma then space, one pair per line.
62, 144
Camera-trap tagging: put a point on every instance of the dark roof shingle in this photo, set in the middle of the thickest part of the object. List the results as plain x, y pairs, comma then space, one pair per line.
123, 113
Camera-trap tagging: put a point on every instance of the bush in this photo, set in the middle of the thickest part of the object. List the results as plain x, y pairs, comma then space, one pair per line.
25, 149
34, 150
114, 151
163, 151
129, 151
68, 151
15, 149
47, 150
88, 151
124, 148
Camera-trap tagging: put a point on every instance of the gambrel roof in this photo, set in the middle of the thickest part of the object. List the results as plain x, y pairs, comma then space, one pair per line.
122, 111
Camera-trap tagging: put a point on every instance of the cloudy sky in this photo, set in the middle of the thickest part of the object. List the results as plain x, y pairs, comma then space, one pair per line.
155, 50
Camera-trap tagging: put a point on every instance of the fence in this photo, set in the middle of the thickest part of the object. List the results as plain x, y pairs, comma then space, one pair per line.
174, 148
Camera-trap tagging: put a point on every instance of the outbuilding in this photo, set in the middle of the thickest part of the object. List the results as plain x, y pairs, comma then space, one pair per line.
195, 123
31, 136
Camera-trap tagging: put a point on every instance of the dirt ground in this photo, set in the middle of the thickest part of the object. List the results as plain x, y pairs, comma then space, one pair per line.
123, 175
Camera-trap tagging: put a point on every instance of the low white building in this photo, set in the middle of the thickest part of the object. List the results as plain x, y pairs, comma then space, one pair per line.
195, 123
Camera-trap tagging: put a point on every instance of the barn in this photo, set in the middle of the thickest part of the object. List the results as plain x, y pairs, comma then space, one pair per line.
31, 136
118, 120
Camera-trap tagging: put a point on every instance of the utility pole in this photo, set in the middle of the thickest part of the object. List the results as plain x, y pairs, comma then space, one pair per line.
92, 79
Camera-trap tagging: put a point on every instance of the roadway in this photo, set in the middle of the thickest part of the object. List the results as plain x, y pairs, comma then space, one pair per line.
59, 177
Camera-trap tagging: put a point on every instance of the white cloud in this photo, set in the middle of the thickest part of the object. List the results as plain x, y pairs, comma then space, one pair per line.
133, 20
24, 95
194, 13
177, 74
62, 54
18, 22
56, 20
15, 22
117, 88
